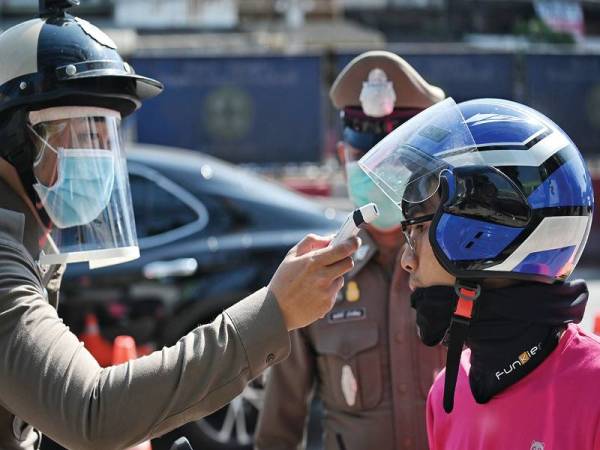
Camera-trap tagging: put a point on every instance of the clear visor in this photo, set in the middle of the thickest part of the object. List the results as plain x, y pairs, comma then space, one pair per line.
83, 185
408, 163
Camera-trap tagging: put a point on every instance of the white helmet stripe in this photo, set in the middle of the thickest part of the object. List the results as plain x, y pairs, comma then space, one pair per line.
552, 233
534, 157
19, 50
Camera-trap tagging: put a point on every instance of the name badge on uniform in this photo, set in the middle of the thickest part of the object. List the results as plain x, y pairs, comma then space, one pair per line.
349, 385
346, 315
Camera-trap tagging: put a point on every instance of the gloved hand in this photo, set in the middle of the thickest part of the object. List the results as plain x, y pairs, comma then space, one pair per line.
310, 277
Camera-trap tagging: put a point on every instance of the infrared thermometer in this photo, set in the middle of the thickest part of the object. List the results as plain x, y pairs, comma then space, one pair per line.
355, 221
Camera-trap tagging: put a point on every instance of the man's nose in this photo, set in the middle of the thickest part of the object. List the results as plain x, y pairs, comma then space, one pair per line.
408, 260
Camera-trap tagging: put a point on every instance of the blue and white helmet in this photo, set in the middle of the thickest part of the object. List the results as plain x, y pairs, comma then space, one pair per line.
517, 197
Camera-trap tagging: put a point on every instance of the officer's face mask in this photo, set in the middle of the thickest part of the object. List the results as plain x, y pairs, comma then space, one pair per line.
83, 186
82, 183
362, 191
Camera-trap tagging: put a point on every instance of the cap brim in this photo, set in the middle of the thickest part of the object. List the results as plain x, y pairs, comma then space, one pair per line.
147, 87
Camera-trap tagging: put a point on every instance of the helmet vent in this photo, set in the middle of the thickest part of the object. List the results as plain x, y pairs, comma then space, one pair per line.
471, 243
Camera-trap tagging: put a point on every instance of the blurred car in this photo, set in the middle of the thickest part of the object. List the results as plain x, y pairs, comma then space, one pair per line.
209, 234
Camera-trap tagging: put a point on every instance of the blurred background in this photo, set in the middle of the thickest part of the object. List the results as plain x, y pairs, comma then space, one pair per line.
246, 93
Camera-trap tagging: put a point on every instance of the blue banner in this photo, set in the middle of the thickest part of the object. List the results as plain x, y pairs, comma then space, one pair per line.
272, 108
567, 89
241, 109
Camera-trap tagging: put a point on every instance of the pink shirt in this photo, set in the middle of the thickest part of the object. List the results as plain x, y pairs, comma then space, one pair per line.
555, 407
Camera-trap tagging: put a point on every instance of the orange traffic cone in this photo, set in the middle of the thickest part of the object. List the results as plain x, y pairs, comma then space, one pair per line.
99, 347
123, 351
597, 324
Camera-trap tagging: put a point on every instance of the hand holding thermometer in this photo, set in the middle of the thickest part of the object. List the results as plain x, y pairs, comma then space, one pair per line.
358, 218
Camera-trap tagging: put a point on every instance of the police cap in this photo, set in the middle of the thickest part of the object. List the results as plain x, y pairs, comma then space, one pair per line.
376, 92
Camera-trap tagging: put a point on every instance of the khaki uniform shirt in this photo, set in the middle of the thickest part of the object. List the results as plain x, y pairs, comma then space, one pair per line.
366, 363
49, 381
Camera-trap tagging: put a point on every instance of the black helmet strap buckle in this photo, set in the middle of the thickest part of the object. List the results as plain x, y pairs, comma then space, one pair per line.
459, 328
49, 8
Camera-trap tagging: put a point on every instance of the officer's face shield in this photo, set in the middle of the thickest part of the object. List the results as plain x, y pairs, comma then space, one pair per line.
408, 163
83, 185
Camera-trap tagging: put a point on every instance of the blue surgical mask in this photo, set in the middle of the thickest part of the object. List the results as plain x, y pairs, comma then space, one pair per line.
362, 190
83, 188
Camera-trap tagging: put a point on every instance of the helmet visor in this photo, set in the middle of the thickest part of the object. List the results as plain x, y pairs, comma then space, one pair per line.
407, 164
82, 183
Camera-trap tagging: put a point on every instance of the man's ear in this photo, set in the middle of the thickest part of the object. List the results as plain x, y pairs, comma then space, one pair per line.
341, 152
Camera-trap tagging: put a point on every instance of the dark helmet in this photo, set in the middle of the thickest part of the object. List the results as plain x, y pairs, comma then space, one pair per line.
60, 60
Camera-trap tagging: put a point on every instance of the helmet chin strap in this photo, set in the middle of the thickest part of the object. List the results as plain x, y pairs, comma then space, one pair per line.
9, 174
467, 292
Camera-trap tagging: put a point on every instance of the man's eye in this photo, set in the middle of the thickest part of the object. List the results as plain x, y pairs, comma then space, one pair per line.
419, 228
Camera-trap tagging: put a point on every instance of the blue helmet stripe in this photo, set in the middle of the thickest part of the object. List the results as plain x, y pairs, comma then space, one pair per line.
548, 262
567, 186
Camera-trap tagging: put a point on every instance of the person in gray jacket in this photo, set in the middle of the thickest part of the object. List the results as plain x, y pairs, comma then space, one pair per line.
64, 197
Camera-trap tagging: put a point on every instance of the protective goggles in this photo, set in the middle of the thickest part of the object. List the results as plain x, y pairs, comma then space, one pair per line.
406, 229
354, 118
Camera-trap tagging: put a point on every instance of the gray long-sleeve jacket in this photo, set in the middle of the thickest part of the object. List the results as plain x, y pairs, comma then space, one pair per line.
49, 381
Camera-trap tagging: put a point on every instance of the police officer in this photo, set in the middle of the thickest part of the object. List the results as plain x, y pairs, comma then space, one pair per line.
64, 197
364, 358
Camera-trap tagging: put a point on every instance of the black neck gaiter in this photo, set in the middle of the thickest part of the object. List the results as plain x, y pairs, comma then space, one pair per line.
434, 306
512, 332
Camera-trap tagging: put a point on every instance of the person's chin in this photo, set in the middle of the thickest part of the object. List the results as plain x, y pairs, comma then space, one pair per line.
415, 283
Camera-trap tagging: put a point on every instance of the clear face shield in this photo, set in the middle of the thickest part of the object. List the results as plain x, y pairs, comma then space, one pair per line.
82, 183
408, 163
